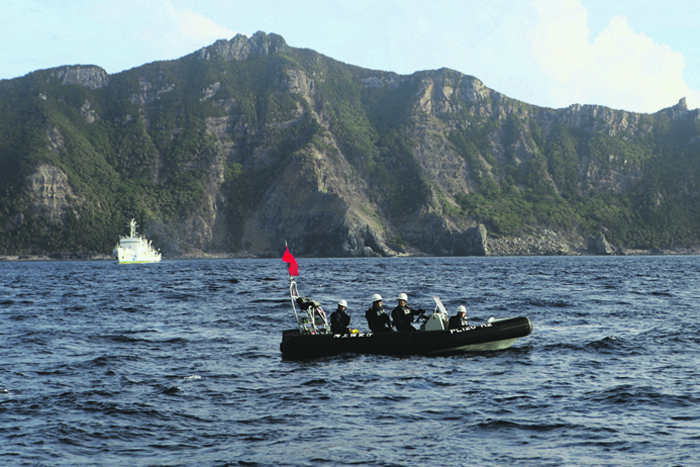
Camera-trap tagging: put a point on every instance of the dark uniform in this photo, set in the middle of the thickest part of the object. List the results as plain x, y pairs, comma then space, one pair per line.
458, 321
403, 317
377, 319
340, 321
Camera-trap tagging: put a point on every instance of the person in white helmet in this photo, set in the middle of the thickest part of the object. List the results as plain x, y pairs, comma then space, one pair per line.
403, 314
459, 321
378, 319
340, 320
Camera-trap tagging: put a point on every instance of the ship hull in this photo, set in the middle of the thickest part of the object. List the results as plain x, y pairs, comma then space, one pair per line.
129, 257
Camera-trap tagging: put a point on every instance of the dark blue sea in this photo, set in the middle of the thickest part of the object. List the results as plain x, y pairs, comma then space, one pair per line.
178, 364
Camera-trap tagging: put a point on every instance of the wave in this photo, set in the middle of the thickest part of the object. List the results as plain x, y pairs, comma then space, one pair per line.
507, 425
121, 338
123, 372
628, 394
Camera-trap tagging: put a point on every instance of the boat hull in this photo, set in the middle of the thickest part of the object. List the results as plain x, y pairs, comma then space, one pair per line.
139, 261
129, 257
497, 335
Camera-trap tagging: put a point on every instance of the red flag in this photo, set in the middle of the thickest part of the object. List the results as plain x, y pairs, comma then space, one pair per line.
288, 258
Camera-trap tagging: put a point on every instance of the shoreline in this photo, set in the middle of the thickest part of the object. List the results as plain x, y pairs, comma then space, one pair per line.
81, 257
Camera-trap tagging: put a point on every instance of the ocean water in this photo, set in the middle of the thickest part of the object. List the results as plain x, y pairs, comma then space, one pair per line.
178, 364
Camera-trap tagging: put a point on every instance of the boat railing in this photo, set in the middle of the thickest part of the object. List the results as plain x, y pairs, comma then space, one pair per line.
310, 317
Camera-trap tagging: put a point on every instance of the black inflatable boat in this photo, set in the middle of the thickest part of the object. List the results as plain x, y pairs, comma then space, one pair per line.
314, 339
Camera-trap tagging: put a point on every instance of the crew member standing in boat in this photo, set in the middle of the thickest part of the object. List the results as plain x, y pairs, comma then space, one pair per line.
378, 319
403, 314
459, 321
340, 320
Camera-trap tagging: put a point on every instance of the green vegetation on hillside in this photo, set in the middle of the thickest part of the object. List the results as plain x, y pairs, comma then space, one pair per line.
148, 145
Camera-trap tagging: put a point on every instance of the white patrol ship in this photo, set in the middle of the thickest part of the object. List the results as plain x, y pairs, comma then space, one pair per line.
135, 248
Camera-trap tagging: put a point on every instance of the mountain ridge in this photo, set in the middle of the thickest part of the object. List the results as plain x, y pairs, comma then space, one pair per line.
248, 143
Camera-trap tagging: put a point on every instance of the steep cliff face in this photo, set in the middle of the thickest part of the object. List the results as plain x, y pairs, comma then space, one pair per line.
310, 196
91, 77
50, 193
250, 143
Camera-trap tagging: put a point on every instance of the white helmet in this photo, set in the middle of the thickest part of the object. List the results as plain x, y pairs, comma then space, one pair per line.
461, 309
376, 297
343, 303
402, 296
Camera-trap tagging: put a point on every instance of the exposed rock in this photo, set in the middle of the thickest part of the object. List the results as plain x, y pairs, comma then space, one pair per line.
473, 90
89, 115
48, 188
598, 118
618, 176
240, 47
278, 153
599, 245
338, 217
90, 76
55, 140
391, 81
473, 242
210, 90
679, 110
300, 83
146, 92
546, 243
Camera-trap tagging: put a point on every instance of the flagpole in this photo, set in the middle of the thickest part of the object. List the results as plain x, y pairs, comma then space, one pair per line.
291, 278
293, 290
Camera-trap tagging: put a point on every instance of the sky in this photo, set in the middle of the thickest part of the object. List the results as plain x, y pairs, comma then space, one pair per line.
634, 55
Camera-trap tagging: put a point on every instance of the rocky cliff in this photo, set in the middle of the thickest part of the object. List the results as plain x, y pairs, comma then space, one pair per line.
248, 143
